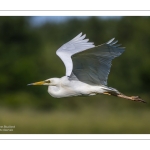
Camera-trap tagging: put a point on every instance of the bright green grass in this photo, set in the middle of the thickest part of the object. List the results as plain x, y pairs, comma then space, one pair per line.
86, 120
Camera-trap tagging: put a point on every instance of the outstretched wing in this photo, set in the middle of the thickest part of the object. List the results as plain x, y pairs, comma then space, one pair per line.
74, 46
93, 66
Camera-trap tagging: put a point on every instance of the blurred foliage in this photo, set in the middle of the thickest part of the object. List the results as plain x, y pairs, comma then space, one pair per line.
28, 54
84, 121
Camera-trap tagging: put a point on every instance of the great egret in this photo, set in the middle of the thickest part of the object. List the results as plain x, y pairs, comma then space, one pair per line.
87, 69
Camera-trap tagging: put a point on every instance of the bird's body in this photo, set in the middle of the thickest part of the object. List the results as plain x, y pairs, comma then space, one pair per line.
69, 88
87, 69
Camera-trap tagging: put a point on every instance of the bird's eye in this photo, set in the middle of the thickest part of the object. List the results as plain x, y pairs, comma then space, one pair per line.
47, 81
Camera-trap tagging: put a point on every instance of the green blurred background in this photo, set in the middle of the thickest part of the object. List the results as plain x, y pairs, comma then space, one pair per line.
28, 54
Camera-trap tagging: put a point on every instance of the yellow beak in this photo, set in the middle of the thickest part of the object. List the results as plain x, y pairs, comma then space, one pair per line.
37, 83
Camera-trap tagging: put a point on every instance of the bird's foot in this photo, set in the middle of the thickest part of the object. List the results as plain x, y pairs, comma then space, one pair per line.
132, 98
137, 98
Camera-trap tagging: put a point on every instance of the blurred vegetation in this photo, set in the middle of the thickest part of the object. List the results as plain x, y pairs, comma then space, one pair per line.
28, 54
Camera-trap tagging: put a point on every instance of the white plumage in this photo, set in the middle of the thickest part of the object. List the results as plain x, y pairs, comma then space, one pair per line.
87, 69
76, 45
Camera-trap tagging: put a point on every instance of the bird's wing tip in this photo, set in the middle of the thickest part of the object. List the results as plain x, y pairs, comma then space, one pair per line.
110, 41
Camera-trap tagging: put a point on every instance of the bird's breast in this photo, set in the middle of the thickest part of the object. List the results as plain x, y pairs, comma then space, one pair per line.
59, 92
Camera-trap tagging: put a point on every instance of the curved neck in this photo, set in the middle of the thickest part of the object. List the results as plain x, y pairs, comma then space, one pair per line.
54, 90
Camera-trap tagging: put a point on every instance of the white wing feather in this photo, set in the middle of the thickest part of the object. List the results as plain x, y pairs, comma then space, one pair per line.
76, 45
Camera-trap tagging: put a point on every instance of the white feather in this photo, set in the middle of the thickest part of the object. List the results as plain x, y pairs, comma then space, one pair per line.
76, 45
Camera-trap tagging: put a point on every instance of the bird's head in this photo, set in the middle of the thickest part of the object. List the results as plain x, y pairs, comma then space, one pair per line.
49, 82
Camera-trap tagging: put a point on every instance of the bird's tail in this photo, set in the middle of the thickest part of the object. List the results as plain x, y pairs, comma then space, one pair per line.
114, 92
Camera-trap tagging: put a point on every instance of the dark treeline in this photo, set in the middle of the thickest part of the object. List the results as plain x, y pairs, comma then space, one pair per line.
28, 54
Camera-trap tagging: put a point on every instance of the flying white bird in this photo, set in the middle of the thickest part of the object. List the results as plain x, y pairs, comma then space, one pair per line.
87, 69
